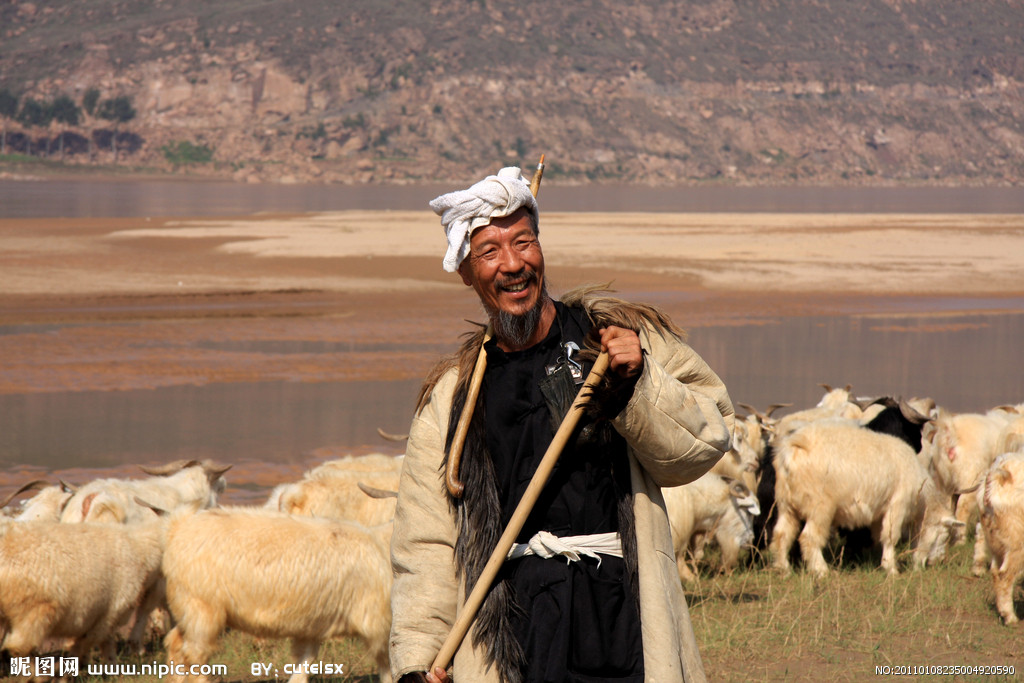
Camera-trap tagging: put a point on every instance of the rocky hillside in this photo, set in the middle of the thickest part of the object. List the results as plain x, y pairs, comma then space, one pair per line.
660, 92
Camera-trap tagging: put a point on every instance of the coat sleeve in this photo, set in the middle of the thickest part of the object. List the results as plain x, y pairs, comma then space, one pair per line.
679, 420
424, 594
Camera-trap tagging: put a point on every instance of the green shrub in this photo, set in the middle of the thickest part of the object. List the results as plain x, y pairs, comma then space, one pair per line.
183, 153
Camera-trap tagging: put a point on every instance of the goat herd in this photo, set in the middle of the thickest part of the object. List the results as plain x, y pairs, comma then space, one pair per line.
79, 566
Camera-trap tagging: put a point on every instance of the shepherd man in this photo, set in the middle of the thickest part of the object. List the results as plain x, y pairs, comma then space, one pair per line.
590, 590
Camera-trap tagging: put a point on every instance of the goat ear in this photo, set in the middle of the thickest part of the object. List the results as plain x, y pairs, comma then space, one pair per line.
738, 490
296, 501
87, 504
160, 512
105, 510
863, 403
928, 431
953, 523
1002, 476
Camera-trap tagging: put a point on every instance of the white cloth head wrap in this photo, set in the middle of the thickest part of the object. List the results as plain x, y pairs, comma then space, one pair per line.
463, 211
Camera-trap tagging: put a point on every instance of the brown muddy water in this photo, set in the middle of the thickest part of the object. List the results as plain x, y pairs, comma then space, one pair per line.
965, 362
273, 430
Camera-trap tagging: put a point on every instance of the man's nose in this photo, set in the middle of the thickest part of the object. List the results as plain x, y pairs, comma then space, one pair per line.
511, 260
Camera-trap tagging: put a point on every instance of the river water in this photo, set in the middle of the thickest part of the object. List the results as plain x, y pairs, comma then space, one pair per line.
967, 361
82, 198
964, 362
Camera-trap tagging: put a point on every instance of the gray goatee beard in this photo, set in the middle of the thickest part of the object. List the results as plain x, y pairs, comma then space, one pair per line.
516, 330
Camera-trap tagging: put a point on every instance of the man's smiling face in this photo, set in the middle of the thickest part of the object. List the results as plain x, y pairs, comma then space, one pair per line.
505, 267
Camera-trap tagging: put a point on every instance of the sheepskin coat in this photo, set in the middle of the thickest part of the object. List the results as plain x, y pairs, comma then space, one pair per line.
677, 424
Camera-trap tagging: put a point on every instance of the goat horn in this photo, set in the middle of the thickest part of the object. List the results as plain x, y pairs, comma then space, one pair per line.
34, 484
912, 414
388, 436
775, 406
215, 469
374, 492
169, 468
749, 408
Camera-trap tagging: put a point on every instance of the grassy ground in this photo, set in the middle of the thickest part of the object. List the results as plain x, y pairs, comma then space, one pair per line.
758, 625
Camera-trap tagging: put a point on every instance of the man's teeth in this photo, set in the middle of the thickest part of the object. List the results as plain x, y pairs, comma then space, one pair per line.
515, 288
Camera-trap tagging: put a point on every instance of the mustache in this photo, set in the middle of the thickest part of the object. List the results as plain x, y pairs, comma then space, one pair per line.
525, 276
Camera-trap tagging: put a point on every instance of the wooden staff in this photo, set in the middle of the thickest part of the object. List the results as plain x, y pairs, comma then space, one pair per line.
451, 469
522, 511
537, 175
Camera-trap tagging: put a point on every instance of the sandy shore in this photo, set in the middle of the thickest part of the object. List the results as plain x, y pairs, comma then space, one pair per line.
375, 276
393, 251
117, 304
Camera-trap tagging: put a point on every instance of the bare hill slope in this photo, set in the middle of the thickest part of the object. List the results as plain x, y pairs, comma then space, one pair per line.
756, 91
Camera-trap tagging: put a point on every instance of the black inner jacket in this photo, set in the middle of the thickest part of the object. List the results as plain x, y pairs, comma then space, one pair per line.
576, 621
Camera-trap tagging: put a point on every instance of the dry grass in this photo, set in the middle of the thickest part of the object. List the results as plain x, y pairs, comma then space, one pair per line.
759, 625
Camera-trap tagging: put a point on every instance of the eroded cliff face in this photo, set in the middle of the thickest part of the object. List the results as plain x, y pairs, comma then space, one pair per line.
791, 91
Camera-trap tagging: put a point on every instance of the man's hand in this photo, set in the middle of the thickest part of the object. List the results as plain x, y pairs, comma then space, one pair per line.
625, 357
439, 676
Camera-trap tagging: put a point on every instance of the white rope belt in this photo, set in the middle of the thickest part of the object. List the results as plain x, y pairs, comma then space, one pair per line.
545, 544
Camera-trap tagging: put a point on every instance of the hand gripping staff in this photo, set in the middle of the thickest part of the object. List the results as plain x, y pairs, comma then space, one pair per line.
451, 470
522, 511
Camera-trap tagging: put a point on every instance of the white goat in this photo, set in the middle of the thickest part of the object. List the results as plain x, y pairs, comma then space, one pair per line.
962, 448
77, 581
733, 533
184, 482
1002, 521
1009, 441
699, 507
46, 505
741, 460
1011, 436
274, 575
835, 403
834, 473
332, 490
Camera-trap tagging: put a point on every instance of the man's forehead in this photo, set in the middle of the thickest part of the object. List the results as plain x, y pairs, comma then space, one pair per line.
500, 229
520, 214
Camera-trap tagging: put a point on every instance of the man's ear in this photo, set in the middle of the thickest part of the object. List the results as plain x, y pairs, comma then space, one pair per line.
465, 273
